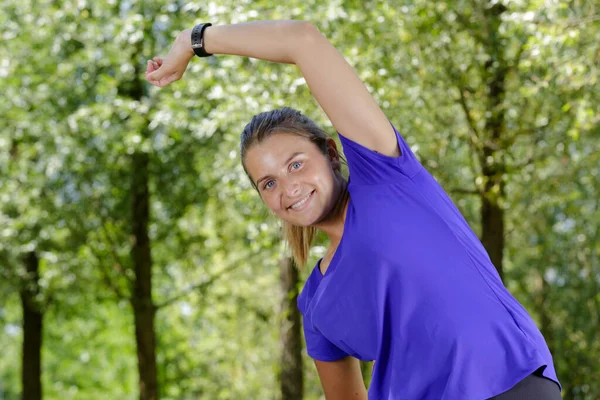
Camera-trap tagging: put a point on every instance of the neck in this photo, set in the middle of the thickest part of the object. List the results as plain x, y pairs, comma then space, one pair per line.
333, 224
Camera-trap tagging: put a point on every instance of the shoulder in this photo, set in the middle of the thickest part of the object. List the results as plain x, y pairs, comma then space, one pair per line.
371, 167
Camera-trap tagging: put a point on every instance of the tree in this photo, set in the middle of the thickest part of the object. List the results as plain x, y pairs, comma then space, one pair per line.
291, 376
31, 366
498, 100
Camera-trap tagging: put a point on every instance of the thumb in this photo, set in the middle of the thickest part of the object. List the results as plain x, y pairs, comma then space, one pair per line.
159, 70
156, 75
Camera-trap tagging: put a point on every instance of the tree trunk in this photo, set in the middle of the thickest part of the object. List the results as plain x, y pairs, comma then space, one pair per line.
291, 379
143, 307
31, 368
492, 225
491, 157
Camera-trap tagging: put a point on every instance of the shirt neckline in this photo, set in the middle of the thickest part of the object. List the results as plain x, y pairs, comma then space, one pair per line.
334, 260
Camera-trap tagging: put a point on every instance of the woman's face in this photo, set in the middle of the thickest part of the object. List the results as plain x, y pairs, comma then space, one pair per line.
294, 178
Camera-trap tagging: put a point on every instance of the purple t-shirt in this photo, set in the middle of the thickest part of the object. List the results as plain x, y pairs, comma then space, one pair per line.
412, 287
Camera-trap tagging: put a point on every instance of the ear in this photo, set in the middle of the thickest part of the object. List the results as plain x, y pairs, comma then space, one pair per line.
333, 155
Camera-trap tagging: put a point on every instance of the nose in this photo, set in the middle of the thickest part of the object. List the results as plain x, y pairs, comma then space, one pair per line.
291, 188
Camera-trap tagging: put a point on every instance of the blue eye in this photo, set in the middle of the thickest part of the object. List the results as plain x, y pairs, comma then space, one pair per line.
296, 164
269, 184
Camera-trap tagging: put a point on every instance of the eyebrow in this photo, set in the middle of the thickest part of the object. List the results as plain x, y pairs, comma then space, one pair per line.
286, 162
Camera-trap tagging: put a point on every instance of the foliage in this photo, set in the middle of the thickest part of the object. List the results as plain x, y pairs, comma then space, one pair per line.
68, 131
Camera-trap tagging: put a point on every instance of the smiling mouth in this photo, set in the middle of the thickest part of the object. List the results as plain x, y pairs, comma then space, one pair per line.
300, 203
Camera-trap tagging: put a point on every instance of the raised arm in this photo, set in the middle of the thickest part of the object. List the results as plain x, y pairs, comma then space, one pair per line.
333, 83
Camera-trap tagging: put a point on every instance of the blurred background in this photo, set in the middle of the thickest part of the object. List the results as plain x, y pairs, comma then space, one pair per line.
136, 261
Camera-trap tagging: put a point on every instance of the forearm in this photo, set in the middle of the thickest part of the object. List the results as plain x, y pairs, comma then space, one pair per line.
331, 80
277, 41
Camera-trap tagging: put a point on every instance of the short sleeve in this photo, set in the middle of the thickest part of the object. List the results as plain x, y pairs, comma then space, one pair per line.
368, 167
318, 347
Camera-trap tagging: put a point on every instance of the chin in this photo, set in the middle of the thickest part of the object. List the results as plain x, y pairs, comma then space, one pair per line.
304, 221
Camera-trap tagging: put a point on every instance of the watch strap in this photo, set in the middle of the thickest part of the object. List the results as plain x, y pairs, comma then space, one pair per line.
198, 40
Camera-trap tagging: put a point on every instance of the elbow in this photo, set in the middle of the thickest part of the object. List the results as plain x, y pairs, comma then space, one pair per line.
305, 35
307, 31
306, 28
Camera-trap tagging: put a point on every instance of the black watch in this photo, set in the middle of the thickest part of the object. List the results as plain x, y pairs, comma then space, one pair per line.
198, 40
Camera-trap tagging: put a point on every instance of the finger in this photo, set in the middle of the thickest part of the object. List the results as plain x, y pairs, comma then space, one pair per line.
157, 61
167, 80
162, 82
153, 65
149, 67
156, 83
150, 78
159, 69
157, 74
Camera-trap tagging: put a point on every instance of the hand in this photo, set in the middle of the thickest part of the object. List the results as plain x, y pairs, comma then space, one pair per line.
164, 71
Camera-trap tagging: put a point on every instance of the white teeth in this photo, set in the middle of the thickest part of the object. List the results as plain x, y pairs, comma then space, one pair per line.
298, 204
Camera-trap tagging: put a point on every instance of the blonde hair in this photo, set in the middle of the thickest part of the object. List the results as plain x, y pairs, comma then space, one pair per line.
286, 120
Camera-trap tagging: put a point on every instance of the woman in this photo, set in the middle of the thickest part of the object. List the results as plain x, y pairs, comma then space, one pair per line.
404, 281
